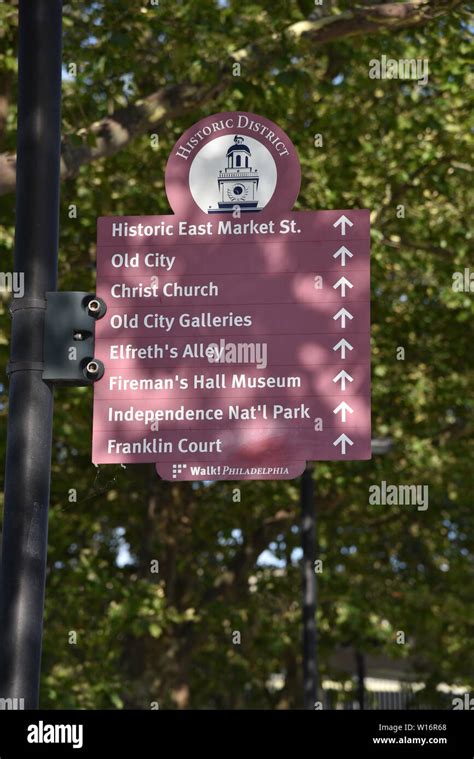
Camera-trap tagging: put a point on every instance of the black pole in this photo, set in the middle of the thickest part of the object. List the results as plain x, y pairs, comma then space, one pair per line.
360, 667
308, 543
30, 407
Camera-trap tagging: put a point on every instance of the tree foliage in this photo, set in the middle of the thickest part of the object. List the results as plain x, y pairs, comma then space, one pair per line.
404, 151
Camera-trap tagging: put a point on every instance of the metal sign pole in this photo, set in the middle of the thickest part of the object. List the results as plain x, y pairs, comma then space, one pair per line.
308, 544
30, 408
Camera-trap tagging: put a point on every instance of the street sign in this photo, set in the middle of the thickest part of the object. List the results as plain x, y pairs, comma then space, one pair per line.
236, 343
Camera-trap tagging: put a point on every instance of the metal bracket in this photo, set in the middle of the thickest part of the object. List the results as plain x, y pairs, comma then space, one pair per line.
69, 338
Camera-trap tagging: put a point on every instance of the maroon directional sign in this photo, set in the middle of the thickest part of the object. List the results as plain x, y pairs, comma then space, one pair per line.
236, 342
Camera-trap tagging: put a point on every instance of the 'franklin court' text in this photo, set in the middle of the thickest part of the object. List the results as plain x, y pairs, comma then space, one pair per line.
160, 446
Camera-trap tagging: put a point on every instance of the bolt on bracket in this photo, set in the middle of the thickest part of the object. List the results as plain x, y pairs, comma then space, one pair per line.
69, 338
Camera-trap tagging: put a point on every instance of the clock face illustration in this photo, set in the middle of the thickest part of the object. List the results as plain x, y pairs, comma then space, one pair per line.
237, 192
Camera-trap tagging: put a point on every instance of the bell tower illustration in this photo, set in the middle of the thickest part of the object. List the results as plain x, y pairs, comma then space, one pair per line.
238, 182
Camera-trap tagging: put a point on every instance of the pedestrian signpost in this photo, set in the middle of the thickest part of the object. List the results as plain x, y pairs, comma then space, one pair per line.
236, 339
228, 340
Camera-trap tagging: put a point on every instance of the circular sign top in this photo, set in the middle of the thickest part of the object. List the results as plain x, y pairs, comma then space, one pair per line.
233, 163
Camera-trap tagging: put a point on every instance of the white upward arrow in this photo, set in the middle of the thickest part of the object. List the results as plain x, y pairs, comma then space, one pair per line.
342, 344
341, 222
343, 252
343, 314
343, 408
343, 440
343, 283
342, 377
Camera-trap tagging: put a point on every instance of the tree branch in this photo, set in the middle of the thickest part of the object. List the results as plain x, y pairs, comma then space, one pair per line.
414, 245
113, 133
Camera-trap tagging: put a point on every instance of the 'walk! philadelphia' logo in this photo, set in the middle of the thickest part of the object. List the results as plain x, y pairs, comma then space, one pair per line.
233, 163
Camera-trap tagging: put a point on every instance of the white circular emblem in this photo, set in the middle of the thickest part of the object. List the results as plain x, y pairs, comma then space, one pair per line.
233, 171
